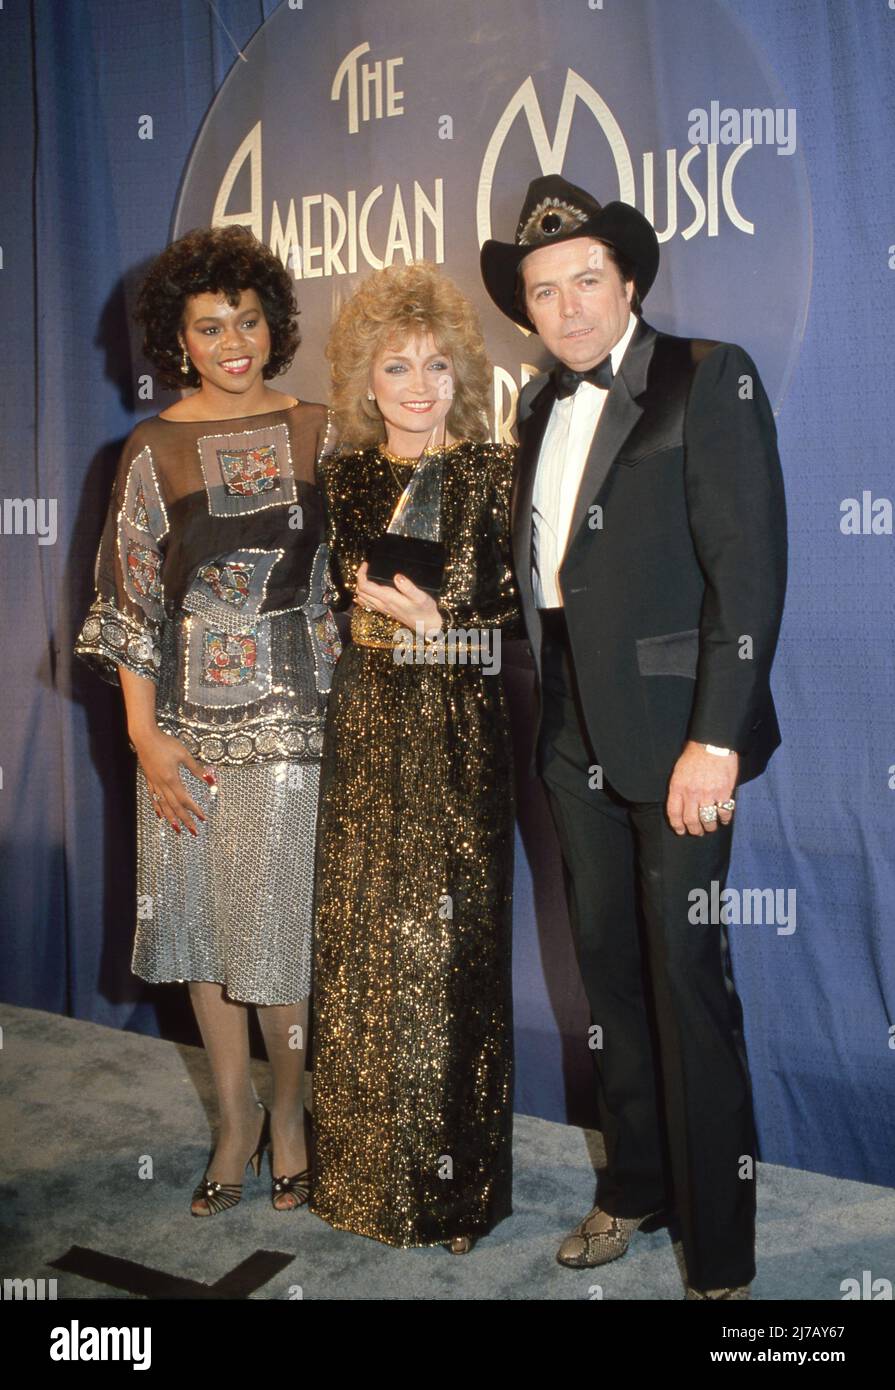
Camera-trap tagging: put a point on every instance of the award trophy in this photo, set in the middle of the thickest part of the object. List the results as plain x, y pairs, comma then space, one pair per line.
412, 542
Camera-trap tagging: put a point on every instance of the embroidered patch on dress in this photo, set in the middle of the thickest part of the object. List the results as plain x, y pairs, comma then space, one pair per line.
229, 658
326, 646
144, 509
247, 470
141, 515
327, 634
228, 590
230, 581
224, 666
142, 524
143, 566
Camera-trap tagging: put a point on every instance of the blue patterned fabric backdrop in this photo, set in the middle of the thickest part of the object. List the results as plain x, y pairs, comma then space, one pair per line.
92, 193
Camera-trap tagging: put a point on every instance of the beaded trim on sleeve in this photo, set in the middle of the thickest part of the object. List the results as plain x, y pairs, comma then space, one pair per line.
110, 638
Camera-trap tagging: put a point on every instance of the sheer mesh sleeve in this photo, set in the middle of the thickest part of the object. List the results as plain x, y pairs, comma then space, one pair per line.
123, 623
327, 437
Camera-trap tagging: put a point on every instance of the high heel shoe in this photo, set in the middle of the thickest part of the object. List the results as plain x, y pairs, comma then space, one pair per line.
298, 1186
220, 1196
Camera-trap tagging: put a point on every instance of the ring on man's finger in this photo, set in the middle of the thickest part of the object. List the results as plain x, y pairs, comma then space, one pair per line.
727, 805
708, 814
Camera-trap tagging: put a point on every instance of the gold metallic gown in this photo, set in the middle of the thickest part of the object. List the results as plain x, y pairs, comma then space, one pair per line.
413, 1054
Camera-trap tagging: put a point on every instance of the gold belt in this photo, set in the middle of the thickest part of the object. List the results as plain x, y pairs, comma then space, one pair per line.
379, 630
371, 642
372, 629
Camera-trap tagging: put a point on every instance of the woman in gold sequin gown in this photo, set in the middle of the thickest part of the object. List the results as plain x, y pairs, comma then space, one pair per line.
412, 986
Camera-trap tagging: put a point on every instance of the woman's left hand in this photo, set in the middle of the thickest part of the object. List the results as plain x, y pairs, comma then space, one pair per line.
406, 603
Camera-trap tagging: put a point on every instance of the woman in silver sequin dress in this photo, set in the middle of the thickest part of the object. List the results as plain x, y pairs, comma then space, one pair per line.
211, 611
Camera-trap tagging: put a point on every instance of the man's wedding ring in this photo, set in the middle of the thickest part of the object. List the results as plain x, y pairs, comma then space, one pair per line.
707, 814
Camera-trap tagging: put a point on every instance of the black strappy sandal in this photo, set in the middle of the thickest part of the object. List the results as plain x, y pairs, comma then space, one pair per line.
299, 1186
220, 1196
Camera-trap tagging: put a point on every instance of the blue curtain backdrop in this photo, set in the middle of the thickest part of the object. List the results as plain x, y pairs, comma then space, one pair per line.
87, 204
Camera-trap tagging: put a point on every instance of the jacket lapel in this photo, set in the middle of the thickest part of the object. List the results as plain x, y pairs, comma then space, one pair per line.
531, 435
619, 416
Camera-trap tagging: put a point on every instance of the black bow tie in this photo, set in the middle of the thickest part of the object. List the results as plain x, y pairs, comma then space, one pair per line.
566, 382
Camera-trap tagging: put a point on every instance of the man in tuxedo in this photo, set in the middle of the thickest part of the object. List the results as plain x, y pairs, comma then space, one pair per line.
649, 536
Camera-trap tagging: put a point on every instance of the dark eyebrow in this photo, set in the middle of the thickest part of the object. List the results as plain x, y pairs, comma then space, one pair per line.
588, 270
213, 318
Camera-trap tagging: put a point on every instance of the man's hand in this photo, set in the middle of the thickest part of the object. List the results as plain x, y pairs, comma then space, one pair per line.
700, 779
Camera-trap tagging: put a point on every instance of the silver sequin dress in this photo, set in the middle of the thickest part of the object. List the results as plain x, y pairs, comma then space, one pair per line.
212, 581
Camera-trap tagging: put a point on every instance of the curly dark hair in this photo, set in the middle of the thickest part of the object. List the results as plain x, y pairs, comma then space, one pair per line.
214, 260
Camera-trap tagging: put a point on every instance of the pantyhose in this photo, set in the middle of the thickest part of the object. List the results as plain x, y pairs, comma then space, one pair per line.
223, 1024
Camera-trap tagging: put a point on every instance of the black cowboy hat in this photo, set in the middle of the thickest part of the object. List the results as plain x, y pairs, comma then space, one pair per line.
555, 210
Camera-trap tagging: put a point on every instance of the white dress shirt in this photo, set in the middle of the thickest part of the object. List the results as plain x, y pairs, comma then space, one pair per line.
564, 450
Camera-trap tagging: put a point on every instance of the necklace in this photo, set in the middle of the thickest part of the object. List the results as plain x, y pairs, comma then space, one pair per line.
391, 459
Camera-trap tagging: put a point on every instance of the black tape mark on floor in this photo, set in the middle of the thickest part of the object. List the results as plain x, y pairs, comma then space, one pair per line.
143, 1281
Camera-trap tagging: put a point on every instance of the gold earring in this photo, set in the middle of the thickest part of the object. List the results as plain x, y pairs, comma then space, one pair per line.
185, 364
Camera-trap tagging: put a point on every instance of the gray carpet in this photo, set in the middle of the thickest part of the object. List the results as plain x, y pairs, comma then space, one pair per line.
84, 1106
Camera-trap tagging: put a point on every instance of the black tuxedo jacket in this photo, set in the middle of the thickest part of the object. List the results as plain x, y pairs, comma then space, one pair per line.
675, 569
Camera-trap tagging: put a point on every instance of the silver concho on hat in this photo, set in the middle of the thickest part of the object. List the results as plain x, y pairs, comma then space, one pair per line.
549, 218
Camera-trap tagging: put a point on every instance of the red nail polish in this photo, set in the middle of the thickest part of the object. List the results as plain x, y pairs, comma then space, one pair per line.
177, 828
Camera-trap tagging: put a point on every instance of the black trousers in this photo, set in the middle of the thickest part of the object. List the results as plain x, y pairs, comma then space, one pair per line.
672, 1078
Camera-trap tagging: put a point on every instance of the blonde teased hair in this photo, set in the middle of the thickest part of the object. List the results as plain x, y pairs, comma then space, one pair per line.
390, 306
